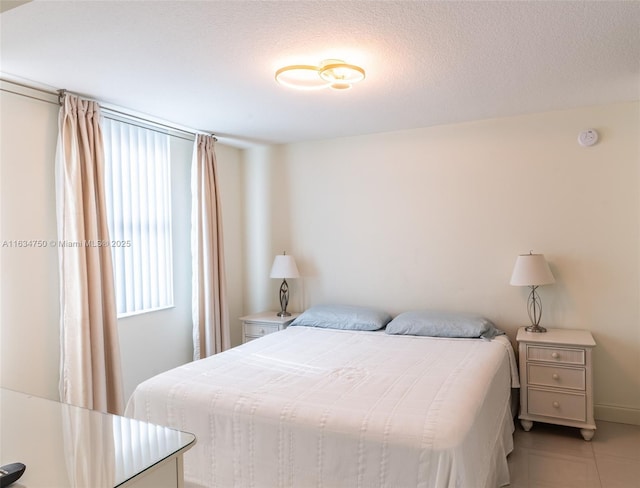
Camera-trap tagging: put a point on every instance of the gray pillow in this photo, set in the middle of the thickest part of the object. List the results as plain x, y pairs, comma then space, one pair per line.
443, 324
346, 317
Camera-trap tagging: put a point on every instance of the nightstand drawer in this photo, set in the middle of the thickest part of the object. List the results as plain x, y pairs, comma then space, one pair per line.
556, 355
573, 378
258, 330
570, 406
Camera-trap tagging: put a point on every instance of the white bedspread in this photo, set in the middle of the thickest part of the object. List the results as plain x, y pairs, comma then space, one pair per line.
328, 408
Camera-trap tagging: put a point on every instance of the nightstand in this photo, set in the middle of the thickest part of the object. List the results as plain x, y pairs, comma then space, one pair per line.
556, 379
261, 324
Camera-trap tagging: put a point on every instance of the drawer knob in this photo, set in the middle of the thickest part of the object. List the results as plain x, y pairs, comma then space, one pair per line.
556, 405
555, 376
555, 355
262, 331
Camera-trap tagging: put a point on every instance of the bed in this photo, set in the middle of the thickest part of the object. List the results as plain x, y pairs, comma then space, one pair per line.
330, 408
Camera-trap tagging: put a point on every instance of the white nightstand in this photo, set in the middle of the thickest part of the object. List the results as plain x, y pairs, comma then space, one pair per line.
556, 379
260, 324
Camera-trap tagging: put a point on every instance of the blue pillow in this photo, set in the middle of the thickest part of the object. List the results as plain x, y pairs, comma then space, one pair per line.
443, 324
346, 317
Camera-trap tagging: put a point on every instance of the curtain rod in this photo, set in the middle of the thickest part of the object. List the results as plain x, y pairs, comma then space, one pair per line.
60, 94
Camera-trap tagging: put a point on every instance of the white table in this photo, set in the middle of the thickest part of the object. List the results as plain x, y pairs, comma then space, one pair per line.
66, 446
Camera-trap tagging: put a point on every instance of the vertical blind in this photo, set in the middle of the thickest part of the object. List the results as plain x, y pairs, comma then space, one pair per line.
138, 187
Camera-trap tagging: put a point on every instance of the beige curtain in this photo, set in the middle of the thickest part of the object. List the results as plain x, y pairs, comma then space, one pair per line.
90, 374
209, 301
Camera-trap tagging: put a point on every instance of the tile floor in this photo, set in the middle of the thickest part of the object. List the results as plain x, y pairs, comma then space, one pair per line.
551, 456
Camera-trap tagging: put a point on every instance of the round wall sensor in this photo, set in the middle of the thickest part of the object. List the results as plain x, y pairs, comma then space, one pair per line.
588, 137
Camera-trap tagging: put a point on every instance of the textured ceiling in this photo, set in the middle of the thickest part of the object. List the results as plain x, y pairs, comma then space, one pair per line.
209, 65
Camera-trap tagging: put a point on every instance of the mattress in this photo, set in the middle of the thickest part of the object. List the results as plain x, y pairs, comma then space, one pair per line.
332, 408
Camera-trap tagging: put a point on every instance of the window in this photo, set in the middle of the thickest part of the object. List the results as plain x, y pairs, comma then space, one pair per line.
138, 187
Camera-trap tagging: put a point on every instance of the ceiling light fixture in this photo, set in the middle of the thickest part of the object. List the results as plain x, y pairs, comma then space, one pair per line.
332, 73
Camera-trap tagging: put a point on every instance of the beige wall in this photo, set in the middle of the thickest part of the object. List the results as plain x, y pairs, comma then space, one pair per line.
29, 331
231, 190
423, 218
435, 217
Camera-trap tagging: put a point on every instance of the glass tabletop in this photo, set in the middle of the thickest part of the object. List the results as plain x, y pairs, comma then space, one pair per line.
66, 446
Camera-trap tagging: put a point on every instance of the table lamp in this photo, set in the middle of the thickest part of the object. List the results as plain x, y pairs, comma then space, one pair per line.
532, 270
284, 266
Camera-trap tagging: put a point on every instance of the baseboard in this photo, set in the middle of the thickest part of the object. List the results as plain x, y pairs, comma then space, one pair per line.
616, 413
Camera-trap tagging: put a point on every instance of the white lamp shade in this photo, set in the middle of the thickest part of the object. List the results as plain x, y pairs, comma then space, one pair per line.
284, 266
531, 270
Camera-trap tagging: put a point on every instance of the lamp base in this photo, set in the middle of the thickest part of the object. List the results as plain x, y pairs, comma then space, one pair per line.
535, 328
284, 299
